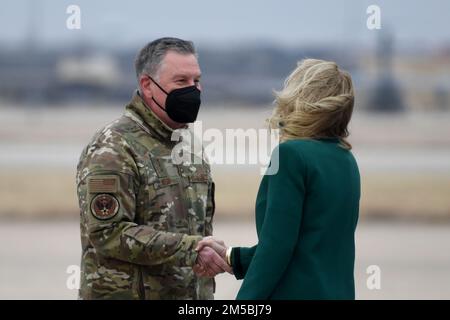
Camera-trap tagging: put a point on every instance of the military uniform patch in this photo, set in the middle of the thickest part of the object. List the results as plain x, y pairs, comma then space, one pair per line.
103, 184
104, 206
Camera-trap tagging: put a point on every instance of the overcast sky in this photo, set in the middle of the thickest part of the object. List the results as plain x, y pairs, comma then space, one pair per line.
289, 22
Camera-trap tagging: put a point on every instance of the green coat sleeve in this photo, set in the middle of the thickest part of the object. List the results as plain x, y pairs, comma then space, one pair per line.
280, 229
120, 236
240, 260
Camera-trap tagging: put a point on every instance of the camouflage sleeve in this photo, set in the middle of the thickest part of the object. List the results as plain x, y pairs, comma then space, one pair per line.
107, 186
210, 209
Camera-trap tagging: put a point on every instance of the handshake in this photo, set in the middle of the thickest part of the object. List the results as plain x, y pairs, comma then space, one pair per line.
211, 258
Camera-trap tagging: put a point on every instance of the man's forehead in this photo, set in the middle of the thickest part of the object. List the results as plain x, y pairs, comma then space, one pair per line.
176, 64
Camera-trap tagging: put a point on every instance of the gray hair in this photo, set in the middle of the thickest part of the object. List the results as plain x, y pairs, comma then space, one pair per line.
150, 57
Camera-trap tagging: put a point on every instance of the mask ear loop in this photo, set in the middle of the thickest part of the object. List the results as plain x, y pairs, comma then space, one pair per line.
161, 90
158, 85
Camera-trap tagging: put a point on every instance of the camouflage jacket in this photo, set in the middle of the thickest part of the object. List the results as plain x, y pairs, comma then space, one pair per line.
141, 215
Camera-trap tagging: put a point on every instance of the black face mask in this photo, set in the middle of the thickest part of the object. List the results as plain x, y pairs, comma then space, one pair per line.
182, 104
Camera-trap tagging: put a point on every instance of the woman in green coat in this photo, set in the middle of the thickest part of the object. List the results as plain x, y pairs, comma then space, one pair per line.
306, 213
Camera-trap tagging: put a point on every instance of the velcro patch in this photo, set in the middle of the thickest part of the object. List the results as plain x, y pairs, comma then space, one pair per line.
103, 184
104, 206
199, 177
164, 182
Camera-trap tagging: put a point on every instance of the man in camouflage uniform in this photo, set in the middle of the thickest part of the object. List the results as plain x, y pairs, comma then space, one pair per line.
142, 215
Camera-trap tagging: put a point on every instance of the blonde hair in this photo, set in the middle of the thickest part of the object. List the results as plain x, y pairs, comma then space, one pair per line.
316, 102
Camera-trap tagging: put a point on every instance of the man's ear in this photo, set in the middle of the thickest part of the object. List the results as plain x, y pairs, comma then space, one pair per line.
144, 83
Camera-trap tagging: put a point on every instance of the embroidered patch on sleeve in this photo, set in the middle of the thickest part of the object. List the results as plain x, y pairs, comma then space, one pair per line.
103, 184
104, 206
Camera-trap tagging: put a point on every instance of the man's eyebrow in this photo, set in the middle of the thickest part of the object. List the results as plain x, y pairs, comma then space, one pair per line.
183, 75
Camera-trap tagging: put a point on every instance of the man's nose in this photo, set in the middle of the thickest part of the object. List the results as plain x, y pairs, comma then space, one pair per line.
195, 83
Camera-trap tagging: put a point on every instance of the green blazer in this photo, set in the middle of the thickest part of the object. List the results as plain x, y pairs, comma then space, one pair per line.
306, 216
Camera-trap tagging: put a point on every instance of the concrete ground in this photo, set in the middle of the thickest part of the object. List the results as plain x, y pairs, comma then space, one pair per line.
413, 258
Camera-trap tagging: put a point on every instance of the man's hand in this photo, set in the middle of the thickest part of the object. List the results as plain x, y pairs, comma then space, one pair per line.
215, 244
211, 258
